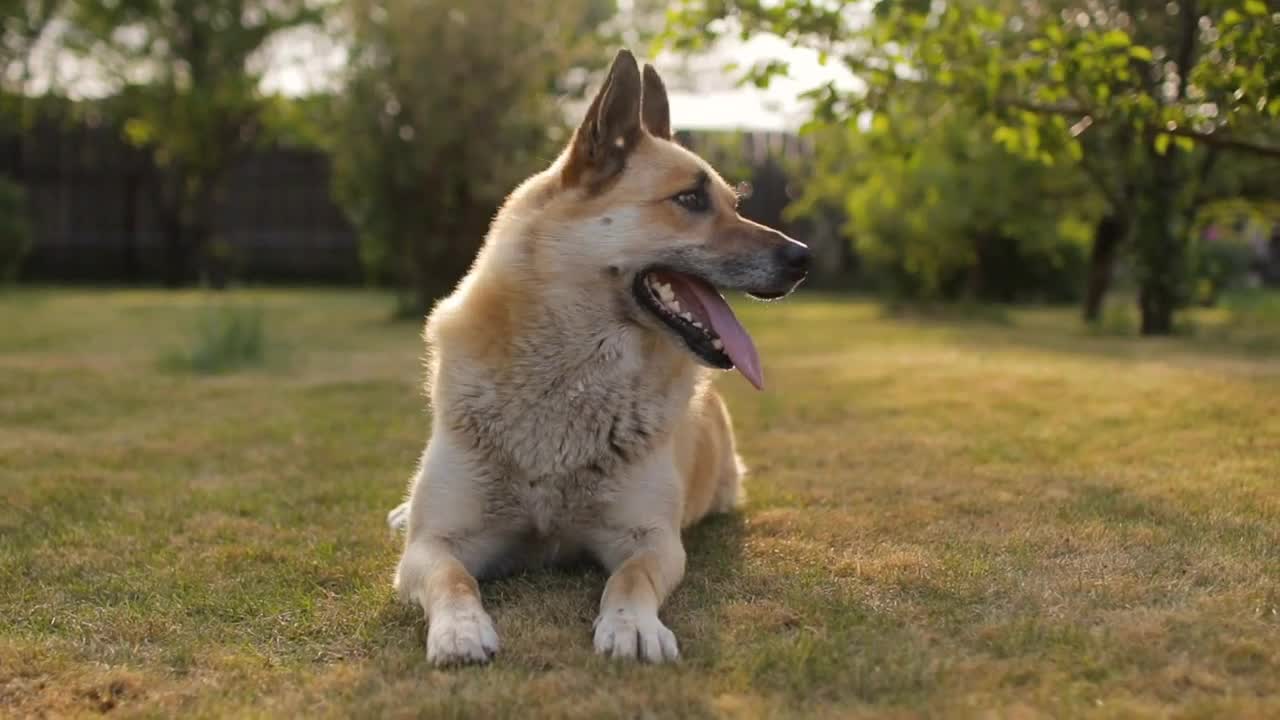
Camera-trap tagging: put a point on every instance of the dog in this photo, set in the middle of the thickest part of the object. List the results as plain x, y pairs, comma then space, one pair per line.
569, 379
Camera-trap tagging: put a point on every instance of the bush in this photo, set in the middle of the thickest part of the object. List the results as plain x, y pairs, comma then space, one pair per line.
949, 214
446, 107
1216, 266
15, 236
225, 339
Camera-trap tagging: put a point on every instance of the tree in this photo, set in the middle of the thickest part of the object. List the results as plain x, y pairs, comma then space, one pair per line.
189, 88
937, 209
447, 106
1145, 95
23, 23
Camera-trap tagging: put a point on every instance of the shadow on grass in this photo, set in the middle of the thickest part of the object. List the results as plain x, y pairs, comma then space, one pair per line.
538, 611
1244, 325
697, 609
962, 313
1194, 340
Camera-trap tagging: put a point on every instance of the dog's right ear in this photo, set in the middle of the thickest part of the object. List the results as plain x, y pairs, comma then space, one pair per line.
654, 108
611, 129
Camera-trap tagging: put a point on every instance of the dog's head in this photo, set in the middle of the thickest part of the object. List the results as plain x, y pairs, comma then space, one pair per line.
661, 228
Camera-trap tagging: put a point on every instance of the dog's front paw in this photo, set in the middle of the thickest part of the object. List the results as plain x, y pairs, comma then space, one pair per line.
622, 634
461, 637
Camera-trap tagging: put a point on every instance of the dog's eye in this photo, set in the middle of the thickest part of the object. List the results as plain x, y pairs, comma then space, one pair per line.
693, 200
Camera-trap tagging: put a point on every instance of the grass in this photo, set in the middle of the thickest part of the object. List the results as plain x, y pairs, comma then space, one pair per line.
947, 519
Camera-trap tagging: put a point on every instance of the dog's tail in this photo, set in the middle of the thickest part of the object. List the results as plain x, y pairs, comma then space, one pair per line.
398, 518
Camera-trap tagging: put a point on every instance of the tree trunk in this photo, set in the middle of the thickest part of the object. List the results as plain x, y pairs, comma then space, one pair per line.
976, 281
176, 256
1107, 238
430, 270
186, 234
1161, 245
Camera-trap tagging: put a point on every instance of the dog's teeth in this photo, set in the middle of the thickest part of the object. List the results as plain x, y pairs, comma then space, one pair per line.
664, 292
717, 344
687, 316
675, 306
698, 325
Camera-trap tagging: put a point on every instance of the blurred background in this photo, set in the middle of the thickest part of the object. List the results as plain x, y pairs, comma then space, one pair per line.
1120, 156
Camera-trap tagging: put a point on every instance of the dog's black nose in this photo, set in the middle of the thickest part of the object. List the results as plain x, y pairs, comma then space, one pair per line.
795, 258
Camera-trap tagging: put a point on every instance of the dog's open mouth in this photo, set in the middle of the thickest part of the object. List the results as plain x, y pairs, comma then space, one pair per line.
696, 312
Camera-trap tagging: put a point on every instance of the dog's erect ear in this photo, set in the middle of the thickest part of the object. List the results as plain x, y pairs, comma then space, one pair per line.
611, 128
654, 109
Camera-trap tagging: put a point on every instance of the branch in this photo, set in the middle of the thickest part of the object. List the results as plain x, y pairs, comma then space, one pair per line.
1187, 49
1216, 140
1210, 139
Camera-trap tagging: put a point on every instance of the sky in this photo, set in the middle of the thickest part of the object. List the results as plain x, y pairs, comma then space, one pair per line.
702, 94
722, 103
306, 62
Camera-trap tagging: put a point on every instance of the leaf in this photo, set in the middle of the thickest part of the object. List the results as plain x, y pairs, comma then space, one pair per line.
1116, 39
1255, 7
138, 131
1185, 143
1007, 137
1138, 52
1232, 17
1162, 144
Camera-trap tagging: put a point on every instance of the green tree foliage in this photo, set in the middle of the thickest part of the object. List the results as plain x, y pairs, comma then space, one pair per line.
937, 209
23, 23
447, 106
188, 89
1143, 95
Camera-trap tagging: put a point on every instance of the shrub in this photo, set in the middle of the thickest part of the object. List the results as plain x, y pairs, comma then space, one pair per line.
225, 338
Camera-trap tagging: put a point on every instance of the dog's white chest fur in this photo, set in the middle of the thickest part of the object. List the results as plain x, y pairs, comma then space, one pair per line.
556, 429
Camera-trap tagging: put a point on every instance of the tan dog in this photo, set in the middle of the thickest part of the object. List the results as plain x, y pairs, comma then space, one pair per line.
573, 412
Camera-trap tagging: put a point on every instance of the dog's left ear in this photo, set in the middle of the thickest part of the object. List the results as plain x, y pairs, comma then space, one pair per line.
654, 109
611, 129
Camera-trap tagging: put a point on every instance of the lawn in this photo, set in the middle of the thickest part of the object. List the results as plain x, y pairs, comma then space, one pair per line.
949, 517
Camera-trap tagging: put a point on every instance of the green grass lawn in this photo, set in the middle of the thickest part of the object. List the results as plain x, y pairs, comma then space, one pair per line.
953, 518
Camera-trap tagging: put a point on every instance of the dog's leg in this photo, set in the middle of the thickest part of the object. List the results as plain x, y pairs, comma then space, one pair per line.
447, 545
458, 629
628, 624
639, 544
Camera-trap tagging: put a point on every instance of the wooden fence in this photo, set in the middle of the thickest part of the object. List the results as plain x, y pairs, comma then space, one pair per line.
94, 214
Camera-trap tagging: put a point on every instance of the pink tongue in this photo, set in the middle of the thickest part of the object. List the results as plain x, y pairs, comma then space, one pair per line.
737, 343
